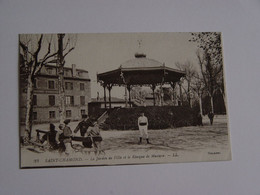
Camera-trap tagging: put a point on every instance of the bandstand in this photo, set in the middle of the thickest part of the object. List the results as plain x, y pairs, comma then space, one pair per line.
140, 71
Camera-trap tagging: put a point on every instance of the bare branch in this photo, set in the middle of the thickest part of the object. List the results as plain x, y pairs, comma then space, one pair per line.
201, 67
66, 45
44, 62
39, 46
68, 52
23, 46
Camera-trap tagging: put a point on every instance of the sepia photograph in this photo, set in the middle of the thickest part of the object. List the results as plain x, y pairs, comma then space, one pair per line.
122, 98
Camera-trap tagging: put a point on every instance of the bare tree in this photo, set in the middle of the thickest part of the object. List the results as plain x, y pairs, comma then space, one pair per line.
31, 62
67, 48
210, 75
221, 87
35, 51
187, 80
198, 89
210, 61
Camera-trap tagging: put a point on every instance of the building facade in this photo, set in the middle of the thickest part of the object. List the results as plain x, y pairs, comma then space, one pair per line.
45, 98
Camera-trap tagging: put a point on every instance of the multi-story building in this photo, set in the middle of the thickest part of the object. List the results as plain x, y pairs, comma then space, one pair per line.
45, 98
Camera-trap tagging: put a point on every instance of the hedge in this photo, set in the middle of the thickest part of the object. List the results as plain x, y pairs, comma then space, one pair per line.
158, 117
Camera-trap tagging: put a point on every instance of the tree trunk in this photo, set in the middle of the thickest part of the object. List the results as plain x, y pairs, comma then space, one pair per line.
61, 90
200, 103
29, 110
212, 104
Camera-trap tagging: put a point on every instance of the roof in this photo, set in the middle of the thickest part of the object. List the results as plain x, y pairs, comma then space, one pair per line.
141, 71
141, 62
69, 72
66, 68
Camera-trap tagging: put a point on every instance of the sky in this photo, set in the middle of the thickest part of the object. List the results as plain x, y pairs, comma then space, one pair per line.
98, 53
101, 52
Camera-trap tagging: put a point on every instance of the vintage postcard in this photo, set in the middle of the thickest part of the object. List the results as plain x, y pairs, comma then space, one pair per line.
122, 98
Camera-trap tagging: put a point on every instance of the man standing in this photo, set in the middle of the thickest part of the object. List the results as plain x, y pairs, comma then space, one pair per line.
83, 127
67, 137
211, 117
143, 127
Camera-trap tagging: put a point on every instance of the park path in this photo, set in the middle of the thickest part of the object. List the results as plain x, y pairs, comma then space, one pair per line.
185, 144
193, 138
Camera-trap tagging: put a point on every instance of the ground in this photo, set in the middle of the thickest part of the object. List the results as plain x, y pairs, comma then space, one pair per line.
185, 141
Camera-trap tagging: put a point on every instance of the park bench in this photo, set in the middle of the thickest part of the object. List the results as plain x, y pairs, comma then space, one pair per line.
40, 133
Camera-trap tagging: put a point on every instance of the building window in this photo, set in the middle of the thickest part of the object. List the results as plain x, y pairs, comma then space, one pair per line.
67, 73
51, 84
69, 100
82, 112
34, 100
80, 74
51, 100
49, 70
68, 113
34, 83
34, 116
68, 85
82, 87
82, 100
51, 114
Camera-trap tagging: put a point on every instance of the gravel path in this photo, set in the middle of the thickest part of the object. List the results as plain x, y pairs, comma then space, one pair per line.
195, 143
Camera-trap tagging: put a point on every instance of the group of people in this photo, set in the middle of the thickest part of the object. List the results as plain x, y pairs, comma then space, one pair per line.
62, 139
90, 133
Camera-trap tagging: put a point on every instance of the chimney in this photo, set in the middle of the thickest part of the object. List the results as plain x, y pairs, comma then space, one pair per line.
98, 96
74, 72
